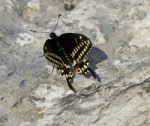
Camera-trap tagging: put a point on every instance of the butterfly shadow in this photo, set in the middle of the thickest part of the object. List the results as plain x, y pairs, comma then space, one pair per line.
96, 56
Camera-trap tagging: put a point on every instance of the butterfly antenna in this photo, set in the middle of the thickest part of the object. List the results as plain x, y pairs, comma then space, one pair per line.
56, 22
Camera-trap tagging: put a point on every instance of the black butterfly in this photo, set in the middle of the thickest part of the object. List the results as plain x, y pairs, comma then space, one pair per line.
69, 53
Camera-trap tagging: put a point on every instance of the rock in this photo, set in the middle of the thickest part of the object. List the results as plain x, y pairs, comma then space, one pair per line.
32, 93
31, 10
97, 109
69, 5
24, 38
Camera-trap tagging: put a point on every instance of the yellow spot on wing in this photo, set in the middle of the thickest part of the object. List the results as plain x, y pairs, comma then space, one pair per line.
88, 42
80, 37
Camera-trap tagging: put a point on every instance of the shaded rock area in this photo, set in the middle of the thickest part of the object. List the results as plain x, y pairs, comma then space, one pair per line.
32, 94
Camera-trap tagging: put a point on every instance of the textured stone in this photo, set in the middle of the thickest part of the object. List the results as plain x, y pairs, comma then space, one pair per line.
33, 94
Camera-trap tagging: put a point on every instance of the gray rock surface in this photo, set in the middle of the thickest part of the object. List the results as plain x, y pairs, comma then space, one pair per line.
32, 95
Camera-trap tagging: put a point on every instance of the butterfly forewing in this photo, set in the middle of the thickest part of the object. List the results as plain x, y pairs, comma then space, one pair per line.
51, 52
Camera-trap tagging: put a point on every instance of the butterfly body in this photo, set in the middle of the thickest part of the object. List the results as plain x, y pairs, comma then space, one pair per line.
69, 53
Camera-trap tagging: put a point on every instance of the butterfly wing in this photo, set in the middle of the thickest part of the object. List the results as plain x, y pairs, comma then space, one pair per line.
76, 46
51, 52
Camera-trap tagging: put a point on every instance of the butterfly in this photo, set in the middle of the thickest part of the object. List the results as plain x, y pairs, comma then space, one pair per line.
68, 52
